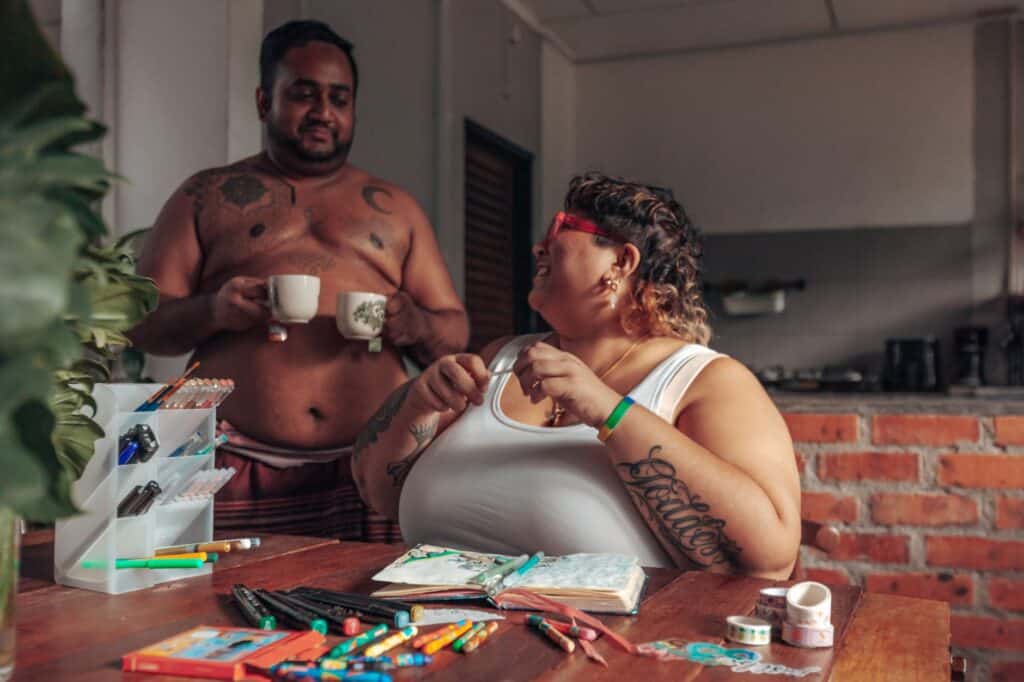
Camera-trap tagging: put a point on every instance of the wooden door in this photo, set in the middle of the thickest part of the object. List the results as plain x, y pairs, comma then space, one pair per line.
498, 264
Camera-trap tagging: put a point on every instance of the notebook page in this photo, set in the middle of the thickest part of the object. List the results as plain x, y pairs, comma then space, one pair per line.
433, 565
578, 572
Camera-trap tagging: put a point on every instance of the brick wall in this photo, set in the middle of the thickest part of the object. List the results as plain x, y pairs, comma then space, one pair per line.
929, 505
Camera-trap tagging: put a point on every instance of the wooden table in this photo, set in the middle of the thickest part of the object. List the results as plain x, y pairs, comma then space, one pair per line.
66, 633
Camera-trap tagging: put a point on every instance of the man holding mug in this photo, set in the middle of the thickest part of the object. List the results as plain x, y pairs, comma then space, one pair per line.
298, 208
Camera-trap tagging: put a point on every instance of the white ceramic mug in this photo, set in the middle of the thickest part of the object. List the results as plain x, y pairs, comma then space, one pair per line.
360, 314
294, 299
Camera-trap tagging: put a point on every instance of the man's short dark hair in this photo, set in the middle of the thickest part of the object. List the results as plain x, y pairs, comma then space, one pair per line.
297, 34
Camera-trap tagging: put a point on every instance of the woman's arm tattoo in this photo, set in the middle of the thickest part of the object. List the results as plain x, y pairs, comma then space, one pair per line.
398, 471
681, 517
380, 421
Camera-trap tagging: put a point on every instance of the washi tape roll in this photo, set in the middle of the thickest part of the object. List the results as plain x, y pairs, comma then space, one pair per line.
809, 603
774, 597
808, 636
748, 630
774, 616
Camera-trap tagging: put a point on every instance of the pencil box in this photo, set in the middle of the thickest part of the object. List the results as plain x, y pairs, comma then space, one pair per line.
216, 652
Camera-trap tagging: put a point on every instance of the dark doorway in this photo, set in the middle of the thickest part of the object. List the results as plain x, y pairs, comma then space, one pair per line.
498, 239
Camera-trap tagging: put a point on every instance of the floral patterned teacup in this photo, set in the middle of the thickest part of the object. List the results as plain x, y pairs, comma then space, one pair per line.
360, 314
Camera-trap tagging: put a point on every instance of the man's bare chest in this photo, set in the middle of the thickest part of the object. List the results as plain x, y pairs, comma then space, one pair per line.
258, 223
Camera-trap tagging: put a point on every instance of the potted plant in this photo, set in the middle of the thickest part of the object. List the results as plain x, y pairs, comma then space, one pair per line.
66, 294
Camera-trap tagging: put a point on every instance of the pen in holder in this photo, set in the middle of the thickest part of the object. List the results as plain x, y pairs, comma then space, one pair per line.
123, 511
138, 440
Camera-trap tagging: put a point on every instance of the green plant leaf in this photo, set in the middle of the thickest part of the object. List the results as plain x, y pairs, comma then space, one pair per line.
29, 62
40, 244
62, 291
84, 211
35, 484
66, 170
30, 140
14, 110
27, 374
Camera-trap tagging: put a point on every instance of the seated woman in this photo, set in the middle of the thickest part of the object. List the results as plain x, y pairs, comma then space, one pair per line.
618, 432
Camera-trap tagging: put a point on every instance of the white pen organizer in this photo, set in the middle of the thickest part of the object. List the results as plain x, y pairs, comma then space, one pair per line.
160, 494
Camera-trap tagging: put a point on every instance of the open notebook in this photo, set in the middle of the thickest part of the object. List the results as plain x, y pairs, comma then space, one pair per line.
602, 583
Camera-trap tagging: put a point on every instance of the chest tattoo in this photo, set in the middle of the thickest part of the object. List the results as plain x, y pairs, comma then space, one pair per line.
370, 193
242, 190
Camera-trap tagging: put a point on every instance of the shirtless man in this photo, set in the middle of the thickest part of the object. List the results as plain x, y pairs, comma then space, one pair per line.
297, 208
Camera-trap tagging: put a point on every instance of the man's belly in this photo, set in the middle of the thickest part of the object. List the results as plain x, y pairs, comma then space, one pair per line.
315, 390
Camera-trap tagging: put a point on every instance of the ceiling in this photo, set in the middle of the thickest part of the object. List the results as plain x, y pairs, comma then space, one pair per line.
596, 30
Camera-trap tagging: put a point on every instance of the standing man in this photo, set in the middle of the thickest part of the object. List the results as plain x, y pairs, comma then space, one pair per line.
297, 208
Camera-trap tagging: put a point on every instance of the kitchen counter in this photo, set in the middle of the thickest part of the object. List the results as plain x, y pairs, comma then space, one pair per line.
928, 403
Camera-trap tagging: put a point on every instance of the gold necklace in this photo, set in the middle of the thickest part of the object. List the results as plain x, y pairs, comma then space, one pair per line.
557, 411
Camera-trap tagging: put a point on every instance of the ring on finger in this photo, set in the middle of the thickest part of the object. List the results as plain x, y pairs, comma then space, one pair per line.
535, 384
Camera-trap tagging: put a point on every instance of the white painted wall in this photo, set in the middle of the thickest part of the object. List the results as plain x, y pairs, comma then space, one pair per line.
866, 130
172, 106
183, 80
495, 81
245, 33
557, 131
395, 48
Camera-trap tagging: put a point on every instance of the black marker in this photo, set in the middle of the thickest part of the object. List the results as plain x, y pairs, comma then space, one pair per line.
252, 608
144, 499
288, 613
322, 610
128, 501
362, 604
344, 611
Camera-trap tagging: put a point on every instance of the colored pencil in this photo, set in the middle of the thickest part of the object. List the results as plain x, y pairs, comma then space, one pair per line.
431, 636
466, 636
472, 645
554, 635
444, 640
161, 393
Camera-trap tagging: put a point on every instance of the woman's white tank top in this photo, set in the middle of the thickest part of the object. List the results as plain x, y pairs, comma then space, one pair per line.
492, 484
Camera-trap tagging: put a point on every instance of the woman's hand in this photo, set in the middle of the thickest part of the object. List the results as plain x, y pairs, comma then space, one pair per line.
452, 382
547, 372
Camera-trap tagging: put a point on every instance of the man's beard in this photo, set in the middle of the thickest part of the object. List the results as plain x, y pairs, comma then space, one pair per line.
295, 146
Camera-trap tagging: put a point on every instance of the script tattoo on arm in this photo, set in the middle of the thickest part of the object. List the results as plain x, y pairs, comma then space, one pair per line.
423, 433
681, 518
381, 421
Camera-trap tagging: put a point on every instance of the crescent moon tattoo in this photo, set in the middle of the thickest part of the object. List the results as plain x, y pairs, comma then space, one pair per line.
370, 193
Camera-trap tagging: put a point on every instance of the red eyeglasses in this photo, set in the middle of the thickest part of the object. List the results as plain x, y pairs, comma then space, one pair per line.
565, 221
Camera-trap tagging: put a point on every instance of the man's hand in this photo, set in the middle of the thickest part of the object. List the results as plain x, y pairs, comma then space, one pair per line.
240, 304
405, 324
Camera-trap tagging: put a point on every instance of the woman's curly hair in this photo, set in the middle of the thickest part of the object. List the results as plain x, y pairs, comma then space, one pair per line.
666, 298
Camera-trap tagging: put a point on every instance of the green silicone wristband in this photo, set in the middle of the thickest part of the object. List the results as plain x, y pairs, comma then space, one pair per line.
618, 413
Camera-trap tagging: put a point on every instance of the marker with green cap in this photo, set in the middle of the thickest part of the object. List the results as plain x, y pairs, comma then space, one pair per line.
298, 616
350, 645
252, 608
147, 563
